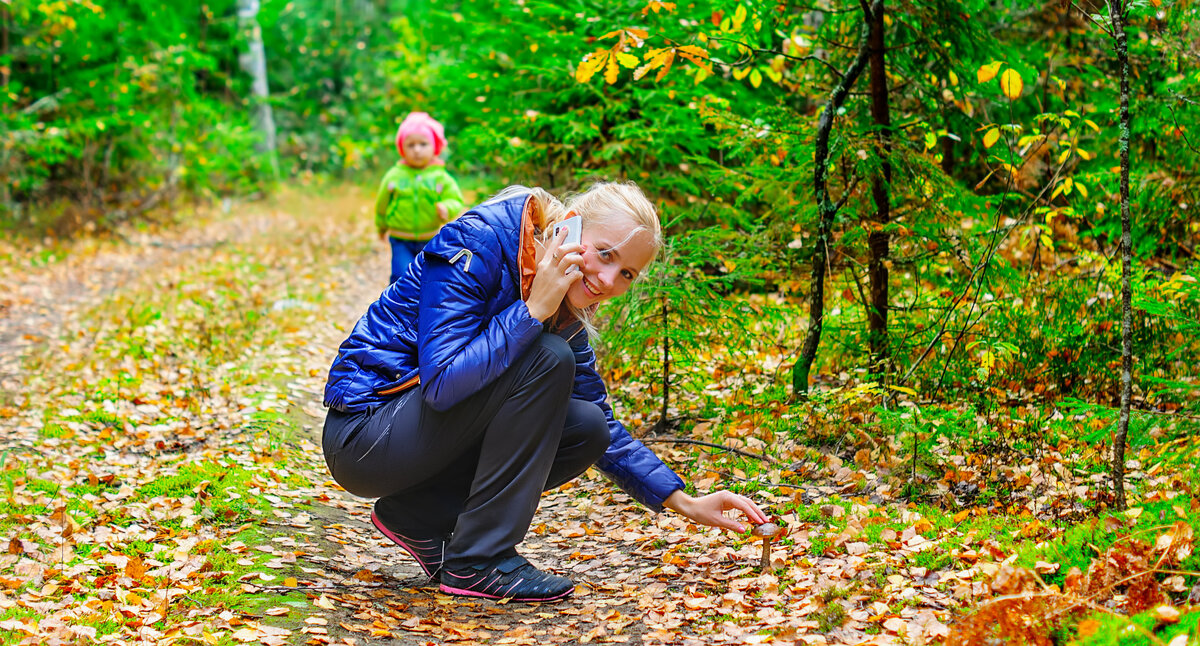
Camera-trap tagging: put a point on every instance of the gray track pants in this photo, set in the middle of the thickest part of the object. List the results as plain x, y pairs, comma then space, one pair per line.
479, 468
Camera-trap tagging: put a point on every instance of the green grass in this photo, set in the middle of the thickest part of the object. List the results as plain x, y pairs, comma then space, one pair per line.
1136, 630
831, 617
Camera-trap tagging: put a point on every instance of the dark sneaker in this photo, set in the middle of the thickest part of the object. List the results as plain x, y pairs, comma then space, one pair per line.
429, 552
508, 578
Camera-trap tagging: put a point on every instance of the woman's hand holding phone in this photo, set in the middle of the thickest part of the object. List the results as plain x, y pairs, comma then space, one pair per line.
556, 271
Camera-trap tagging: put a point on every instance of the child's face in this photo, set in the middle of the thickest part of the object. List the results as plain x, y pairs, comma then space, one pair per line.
418, 150
614, 255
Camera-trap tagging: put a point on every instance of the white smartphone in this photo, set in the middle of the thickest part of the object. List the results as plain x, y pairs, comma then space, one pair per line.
574, 227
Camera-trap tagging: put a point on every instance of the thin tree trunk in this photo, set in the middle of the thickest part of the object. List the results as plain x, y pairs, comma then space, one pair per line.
878, 239
1116, 11
826, 210
663, 420
5, 196
253, 62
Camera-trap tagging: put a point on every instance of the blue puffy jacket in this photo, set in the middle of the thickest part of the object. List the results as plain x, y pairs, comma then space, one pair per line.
457, 319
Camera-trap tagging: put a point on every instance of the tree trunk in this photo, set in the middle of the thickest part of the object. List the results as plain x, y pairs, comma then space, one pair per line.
5, 180
878, 239
826, 210
253, 62
663, 419
1116, 11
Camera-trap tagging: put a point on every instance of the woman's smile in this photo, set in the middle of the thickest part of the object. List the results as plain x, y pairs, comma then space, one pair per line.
592, 291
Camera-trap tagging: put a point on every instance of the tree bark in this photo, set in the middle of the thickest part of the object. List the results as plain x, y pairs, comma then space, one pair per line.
878, 240
253, 62
5, 195
1116, 11
663, 420
826, 210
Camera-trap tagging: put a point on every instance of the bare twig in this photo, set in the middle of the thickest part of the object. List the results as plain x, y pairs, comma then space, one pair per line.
711, 445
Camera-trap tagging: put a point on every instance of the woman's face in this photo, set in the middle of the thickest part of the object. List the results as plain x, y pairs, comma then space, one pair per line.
418, 150
614, 255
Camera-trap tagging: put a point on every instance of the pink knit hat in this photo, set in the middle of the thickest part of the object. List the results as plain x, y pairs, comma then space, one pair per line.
420, 122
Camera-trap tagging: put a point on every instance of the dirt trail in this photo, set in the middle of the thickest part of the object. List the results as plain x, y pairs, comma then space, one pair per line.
641, 578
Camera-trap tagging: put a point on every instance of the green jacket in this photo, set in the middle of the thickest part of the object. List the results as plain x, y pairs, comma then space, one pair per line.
408, 198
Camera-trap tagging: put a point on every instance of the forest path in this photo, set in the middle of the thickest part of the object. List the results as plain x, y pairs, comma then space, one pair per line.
221, 330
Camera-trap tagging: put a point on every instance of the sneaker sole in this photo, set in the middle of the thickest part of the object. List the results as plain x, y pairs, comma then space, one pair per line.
463, 592
397, 539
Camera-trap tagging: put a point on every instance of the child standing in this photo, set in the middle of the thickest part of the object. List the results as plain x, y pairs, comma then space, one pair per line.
417, 196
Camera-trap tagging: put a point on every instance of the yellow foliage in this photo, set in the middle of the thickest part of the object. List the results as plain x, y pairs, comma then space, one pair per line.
988, 72
1011, 84
590, 65
656, 6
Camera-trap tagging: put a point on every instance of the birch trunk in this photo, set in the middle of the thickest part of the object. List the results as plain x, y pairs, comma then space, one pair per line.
253, 61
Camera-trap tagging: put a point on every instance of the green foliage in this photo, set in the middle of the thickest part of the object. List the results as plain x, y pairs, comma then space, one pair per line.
115, 105
1106, 629
1157, 529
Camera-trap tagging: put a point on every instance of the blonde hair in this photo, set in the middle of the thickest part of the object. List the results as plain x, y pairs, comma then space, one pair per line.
601, 204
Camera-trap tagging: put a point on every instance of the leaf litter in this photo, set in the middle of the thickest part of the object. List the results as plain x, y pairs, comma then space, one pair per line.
164, 481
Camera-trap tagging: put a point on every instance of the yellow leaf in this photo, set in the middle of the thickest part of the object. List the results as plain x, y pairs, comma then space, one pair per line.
1011, 84
290, 582
1085, 154
953, 78
533, 48
904, 389
590, 65
627, 60
991, 137
755, 77
1057, 190
697, 55
1082, 189
988, 72
739, 16
668, 59
962, 515
1092, 124
774, 74
741, 73
611, 71
1062, 157
701, 74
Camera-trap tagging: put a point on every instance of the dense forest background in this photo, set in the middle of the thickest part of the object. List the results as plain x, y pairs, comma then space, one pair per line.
971, 251
895, 228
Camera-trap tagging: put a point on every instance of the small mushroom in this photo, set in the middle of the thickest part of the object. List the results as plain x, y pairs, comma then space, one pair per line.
767, 532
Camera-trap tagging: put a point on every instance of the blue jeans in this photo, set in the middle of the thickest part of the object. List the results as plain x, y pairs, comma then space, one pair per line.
403, 252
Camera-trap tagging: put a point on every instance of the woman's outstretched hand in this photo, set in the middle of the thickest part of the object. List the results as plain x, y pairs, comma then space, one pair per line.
554, 276
707, 510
